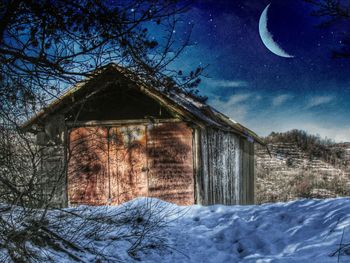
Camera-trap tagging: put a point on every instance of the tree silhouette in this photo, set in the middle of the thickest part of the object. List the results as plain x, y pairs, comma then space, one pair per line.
334, 11
49, 45
46, 46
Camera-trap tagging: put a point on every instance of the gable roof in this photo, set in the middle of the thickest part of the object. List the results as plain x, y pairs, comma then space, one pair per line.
177, 101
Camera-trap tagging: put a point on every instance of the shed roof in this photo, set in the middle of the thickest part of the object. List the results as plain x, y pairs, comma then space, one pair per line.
176, 100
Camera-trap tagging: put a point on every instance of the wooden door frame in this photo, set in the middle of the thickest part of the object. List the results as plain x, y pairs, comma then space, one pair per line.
67, 133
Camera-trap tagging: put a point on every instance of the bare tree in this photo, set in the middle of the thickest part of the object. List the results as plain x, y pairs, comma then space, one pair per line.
47, 46
334, 11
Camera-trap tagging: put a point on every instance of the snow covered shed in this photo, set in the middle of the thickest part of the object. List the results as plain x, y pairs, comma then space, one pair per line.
115, 139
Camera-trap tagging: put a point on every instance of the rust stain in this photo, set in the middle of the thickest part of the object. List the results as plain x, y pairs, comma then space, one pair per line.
118, 164
170, 163
87, 166
128, 163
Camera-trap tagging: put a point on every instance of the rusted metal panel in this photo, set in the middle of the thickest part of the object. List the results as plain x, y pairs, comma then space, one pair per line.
170, 162
128, 163
87, 166
115, 165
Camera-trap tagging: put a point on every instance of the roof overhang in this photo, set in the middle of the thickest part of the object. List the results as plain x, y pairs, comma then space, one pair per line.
178, 102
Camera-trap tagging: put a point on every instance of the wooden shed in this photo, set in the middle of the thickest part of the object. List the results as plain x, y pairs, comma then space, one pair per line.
114, 139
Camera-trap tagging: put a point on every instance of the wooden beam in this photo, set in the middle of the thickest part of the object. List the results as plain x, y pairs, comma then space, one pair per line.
197, 169
117, 122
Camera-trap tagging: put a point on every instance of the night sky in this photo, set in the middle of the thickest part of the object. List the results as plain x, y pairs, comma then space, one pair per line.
259, 89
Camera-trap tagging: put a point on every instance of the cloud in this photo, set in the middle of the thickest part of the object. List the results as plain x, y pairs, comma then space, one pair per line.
319, 100
237, 106
232, 101
252, 110
224, 83
265, 122
280, 99
238, 98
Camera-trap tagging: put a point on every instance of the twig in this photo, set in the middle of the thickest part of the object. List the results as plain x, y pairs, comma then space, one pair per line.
340, 245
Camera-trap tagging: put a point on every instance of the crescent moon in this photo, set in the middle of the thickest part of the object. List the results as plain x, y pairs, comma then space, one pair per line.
267, 37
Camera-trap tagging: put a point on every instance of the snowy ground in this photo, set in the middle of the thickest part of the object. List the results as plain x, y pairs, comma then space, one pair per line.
299, 231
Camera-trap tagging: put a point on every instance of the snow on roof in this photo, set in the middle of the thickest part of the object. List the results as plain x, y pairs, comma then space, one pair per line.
177, 99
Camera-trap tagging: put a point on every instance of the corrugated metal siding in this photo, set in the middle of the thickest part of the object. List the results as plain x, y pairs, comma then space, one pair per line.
227, 169
170, 162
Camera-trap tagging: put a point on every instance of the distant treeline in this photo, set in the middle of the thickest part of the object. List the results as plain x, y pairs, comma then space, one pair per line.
313, 145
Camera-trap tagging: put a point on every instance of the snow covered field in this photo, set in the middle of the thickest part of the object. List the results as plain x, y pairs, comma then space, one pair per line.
299, 231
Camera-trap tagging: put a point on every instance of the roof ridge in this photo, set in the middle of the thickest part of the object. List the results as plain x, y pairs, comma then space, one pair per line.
178, 100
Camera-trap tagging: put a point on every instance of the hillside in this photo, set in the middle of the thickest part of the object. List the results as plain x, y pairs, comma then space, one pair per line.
301, 166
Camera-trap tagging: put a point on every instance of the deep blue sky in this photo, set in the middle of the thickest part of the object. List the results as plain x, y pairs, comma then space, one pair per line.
263, 91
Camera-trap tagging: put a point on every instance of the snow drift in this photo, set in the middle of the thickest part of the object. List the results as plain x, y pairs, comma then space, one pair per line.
298, 231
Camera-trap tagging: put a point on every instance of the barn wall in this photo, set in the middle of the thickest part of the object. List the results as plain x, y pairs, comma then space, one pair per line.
53, 179
223, 165
198, 167
53, 164
115, 164
226, 174
170, 163
248, 172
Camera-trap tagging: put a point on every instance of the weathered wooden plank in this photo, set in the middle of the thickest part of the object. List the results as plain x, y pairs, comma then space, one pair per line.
222, 176
52, 179
251, 174
205, 167
197, 166
54, 130
170, 162
222, 162
247, 171
87, 166
211, 166
232, 147
247, 177
113, 123
128, 163
238, 171
221, 169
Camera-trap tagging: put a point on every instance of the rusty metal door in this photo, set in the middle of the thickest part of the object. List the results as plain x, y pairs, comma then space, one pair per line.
87, 166
117, 164
128, 163
170, 163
